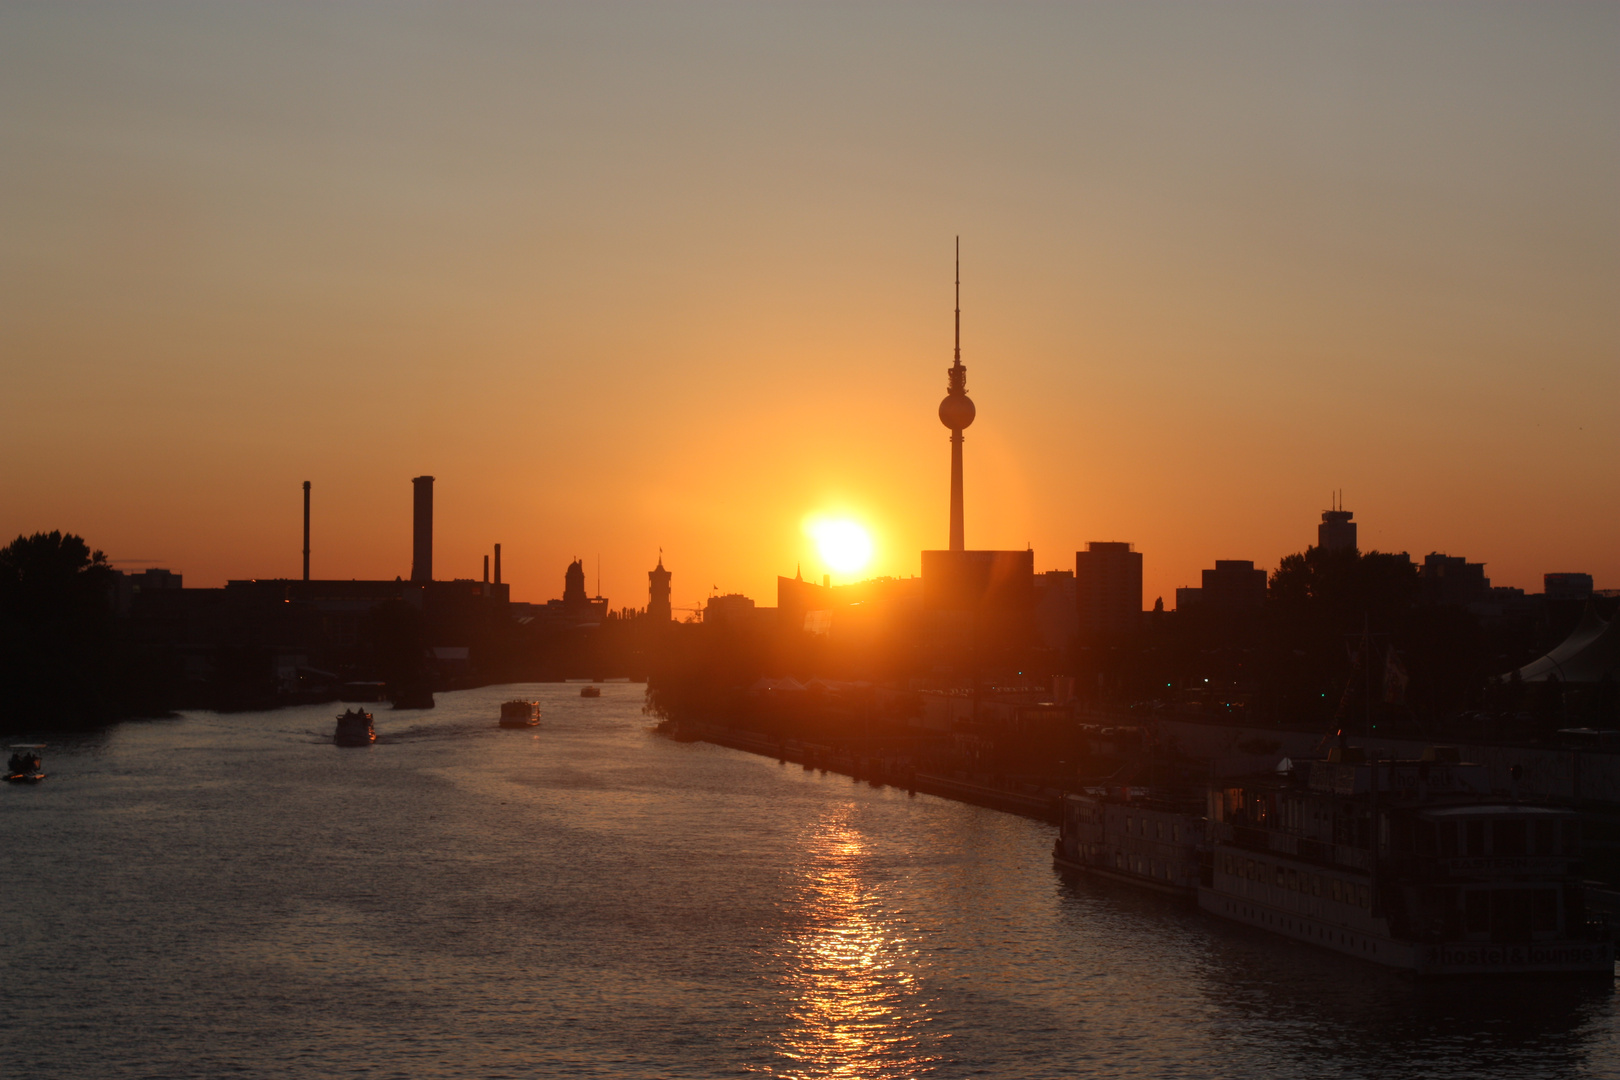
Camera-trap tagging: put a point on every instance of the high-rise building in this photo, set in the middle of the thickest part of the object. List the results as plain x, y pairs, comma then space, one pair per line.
1234, 585
1337, 532
1108, 589
658, 592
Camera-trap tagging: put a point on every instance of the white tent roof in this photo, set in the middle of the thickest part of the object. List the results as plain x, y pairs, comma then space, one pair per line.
1591, 652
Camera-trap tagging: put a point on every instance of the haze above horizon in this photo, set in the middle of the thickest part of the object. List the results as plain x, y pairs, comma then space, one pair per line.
626, 277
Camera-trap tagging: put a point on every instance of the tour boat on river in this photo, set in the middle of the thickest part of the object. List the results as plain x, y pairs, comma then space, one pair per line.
518, 714
1411, 864
23, 768
354, 729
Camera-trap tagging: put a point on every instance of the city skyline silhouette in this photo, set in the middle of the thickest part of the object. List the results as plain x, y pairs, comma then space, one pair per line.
1206, 287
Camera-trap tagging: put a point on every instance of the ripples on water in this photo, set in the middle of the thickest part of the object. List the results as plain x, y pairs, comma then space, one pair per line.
224, 895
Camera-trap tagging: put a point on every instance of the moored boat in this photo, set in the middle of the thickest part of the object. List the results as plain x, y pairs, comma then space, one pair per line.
1133, 834
23, 767
517, 714
354, 729
1410, 864
591, 691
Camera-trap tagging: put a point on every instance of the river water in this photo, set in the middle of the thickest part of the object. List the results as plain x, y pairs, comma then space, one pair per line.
232, 895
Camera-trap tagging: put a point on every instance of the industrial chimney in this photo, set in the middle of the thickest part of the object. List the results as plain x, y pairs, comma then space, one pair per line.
497, 564
306, 530
422, 530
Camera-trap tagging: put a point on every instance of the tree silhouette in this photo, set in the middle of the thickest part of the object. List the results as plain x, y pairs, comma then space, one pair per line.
56, 634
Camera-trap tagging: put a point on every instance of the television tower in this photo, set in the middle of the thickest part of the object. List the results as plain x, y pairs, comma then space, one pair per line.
957, 412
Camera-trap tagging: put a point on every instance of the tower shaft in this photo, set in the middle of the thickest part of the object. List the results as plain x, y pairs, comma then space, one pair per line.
958, 540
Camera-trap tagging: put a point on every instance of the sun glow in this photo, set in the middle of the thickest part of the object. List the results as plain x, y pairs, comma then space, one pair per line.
844, 546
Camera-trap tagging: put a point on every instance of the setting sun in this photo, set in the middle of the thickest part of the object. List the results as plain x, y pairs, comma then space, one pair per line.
844, 546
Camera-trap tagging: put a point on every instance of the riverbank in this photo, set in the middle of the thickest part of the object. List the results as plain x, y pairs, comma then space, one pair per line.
877, 769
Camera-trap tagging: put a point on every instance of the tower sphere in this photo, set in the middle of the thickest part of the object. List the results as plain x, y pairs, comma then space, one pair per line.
956, 411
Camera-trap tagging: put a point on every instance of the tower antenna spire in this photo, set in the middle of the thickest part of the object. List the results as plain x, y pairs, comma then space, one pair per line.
958, 300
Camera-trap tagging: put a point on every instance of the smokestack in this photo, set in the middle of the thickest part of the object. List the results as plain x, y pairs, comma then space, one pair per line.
486, 569
497, 564
422, 530
306, 530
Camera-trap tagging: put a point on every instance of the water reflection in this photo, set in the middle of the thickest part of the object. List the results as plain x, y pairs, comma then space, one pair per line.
855, 1005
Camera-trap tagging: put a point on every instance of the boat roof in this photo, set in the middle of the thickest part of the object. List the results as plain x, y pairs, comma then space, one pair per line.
1498, 810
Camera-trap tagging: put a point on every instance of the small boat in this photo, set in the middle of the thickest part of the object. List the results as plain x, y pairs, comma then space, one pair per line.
591, 691
23, 768
520, 714
354, 729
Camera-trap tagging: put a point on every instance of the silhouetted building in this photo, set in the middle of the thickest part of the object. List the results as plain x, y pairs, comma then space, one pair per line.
978, 580
658, 593
130, 585
1337, 532
1108, 589
732, 609
1055, 613
1449, 579
575, 602
575, 608
875, 608
1234, 585
422, 529
1567, 586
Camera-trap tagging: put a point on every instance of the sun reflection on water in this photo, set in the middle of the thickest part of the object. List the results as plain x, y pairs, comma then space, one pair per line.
855, 1006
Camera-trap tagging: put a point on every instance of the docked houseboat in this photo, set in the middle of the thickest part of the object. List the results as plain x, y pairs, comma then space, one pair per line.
354, 729
1411, 864
517, 714
1134, 834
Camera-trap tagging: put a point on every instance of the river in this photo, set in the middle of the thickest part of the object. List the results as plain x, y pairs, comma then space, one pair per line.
221, 895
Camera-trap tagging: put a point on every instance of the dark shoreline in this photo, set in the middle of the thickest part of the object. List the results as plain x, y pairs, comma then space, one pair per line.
875, 770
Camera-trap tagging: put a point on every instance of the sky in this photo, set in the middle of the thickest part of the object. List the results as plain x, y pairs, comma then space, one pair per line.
678, 277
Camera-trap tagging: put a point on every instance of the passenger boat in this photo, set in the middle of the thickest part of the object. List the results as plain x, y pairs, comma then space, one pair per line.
1410, 864
354, 729
520, 714
1133, 834
23, 768
591, 691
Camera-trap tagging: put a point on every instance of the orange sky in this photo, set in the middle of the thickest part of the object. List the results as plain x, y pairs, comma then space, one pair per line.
625, 277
